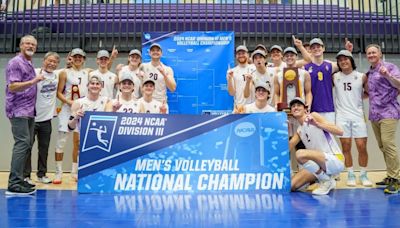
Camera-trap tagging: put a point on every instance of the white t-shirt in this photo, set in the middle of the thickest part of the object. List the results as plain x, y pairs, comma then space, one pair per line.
349, 92
151, 107
108, 83
46, 96
151, 72
239, 83
252, 108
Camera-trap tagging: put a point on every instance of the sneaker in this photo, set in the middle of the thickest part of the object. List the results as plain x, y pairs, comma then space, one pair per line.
365, 181
57, 178
44, 180
20, 191
351, 180
74, 176
325, 187
29, 181
383, 183
392, 187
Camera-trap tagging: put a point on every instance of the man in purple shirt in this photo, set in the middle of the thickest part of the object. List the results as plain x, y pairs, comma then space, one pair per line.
20, 102
384, 112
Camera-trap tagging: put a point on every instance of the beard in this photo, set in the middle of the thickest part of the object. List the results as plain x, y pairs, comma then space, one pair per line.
29, 53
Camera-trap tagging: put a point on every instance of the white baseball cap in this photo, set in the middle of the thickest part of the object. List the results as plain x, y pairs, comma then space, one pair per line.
242, 48
126, 76
155, 45
135, 52
77, 51
316, 41
103, 53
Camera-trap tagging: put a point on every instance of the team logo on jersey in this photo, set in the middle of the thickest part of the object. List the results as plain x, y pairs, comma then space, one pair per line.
310, 70
326, 68
320, 76
100, 133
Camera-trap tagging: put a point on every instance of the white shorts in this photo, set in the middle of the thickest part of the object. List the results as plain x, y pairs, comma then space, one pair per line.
329, 116
63, 119
333, 164
352, 128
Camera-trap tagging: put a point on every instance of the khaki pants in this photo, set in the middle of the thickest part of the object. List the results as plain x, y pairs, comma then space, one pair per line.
385, 134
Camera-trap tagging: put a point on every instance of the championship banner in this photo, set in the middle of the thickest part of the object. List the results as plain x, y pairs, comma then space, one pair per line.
121, 152
200, 61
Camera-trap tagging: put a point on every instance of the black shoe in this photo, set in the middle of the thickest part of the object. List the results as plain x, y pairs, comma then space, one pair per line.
384, 182
392, 187
20, 191
27, 185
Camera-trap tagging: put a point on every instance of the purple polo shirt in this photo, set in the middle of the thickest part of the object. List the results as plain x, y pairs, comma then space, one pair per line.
20, 104
382, 95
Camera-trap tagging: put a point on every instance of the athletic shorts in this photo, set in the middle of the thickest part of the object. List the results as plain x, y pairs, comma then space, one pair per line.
352, 128
333, 164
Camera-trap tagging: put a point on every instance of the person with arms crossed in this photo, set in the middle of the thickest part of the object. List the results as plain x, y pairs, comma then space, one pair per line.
384, 112
350, 86
322, 158
20, 103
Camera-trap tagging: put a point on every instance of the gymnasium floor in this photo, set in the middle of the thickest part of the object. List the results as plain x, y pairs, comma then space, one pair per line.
62, 206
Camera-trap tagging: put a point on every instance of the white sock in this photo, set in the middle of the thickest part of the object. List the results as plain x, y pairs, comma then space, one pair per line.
74, 167
363, 170
59, 166
350, 169
322, 176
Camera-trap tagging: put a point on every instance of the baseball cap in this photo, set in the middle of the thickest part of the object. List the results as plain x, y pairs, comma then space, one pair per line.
297, 100
149, 81
242, 48
78, 51
155, 45
316, 41
135, 52
258, 52
95, 77
103, 53
290, 49
344, 53
276, 47
262, 85
261, 46
126, 76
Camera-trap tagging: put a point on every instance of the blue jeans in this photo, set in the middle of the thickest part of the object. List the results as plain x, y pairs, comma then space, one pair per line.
22, 130
43, 133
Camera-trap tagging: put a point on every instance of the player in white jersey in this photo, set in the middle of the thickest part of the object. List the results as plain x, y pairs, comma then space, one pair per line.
133, 70
260, 75
260, 105
162, 75
304, 83
92, 102
109, 79
45, 110
71, 86
147, 103
124, 102
322, 158
236, 77
350, 87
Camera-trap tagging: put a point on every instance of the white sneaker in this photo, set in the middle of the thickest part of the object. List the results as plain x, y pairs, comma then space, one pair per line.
29, 181
57, 178
351, 180
325, 187
44, 180
365, 181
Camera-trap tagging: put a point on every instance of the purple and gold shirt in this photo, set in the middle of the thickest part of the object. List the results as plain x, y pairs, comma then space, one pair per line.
383, 102
20, 104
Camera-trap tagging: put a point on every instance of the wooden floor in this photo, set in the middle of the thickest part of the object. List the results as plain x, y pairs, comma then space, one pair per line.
69, 184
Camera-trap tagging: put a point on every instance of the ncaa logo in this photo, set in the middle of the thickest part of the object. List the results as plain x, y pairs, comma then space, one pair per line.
245, 129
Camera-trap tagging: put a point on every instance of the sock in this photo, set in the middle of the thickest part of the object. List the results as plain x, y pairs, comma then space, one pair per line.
350, 169
59, 166
74, 167
322, 176
363, 170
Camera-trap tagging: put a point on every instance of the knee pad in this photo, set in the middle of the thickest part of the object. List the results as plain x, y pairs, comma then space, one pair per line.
61, 141
311, 166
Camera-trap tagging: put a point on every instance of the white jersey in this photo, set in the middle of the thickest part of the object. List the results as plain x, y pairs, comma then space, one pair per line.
239, 83
131, 106
151, 107
291, 92
314, 138
108, 82
252, 108
136, 80
79, 78
349, 91
267, 78
151, 72
46, 96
